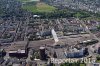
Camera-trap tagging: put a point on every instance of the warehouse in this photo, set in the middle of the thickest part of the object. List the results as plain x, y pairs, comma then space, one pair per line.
18, 49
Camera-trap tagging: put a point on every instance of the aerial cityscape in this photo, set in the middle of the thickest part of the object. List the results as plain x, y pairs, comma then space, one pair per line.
49, 32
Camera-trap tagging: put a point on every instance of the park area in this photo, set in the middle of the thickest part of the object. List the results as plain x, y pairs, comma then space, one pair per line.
28, 0
37, 6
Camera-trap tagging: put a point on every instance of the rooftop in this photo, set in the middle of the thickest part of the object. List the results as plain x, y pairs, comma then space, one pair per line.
16, 46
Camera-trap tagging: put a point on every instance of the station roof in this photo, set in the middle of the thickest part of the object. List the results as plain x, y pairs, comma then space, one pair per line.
18, 47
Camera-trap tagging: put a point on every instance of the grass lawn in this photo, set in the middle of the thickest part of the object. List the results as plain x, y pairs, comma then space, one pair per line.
27, 0
23, 0
42, 7
82, 65
39, 7
98, 61
30, 8
92, 18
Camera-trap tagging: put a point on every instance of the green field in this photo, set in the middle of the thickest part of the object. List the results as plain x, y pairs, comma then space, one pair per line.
39, 7
42, 7
92, 18
24, 0
82, 65
27, 0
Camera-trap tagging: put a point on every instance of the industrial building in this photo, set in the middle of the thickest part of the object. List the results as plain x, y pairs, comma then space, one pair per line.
42, 53
89, 42
18, 49
75, 53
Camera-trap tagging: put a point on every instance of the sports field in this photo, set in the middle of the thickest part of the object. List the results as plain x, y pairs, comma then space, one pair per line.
39, 7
